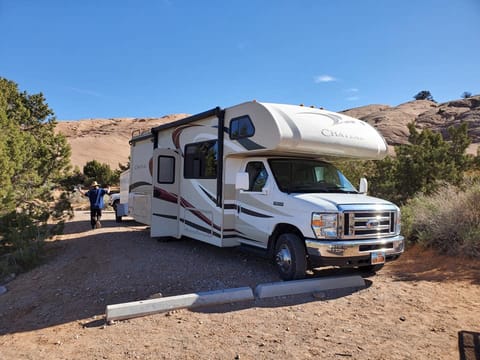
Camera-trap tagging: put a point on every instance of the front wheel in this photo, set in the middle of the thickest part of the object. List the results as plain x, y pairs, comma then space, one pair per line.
372, 268
290, 257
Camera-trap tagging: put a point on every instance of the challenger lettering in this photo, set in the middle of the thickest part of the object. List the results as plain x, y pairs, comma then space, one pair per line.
333, 133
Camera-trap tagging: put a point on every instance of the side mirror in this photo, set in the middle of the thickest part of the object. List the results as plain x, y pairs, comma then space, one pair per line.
363, 188
242, 181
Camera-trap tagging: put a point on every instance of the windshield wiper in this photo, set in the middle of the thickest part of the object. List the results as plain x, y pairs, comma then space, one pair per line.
340, 189
318, 189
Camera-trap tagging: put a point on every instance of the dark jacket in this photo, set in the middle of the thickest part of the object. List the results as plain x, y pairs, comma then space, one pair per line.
96, 197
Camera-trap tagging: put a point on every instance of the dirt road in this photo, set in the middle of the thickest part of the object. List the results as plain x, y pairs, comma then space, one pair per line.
421, 307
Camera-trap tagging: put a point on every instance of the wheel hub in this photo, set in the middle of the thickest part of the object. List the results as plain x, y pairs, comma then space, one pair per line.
284, 258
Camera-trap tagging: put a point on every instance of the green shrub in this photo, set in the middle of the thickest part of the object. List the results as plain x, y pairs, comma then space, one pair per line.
100, 172
32, 160
420, 167
424, 95
448, 220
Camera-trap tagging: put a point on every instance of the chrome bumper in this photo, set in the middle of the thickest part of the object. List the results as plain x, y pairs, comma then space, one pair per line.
354, 248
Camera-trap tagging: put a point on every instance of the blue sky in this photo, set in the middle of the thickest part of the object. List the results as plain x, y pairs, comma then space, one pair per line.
149, 58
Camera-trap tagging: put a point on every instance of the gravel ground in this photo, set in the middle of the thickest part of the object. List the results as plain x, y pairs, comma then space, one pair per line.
423, 306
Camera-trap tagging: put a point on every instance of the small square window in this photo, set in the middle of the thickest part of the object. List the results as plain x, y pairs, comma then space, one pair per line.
241, 127
166, 170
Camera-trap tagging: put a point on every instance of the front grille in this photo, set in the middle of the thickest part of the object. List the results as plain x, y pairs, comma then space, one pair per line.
368, 224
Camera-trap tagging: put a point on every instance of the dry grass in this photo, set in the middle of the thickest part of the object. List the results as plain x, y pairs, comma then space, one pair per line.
448, 221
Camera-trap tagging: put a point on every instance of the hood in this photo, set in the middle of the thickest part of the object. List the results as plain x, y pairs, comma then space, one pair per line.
331, 202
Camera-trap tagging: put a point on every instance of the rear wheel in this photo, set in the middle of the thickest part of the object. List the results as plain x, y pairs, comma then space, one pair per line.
290, 257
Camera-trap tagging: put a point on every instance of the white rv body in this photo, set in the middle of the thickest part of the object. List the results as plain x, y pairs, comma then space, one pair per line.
119, 201
136, 183
124, 188
199, 162
140, 184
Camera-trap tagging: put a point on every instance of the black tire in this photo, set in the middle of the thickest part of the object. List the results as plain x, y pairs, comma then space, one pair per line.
372, 268
290, 257
117, 218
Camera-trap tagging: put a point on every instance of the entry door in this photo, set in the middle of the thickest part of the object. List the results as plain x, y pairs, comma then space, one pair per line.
166, 193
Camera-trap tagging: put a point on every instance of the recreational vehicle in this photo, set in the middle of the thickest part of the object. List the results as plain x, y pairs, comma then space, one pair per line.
135, 194
257, 175
119, 201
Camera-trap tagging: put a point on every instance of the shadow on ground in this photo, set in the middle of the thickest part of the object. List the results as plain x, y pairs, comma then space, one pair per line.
282, 301
86, 270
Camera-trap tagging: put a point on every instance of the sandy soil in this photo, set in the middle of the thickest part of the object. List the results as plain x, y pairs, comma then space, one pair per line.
421, 307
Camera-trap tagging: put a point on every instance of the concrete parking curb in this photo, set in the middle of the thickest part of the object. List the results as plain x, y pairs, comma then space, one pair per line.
262, 291
152, 306
309, 285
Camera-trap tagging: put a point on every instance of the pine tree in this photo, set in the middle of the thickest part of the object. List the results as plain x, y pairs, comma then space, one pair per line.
33, 159
424, 164
100, 172
424, 95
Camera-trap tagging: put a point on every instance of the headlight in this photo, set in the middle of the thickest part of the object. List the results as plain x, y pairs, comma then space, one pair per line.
399, 222
324, 225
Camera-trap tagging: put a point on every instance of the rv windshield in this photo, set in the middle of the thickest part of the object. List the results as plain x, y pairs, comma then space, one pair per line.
306, 176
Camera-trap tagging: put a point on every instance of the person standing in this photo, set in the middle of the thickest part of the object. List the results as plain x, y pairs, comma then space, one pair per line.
95, 195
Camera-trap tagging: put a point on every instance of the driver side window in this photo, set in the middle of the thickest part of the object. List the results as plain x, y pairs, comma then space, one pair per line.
257, 175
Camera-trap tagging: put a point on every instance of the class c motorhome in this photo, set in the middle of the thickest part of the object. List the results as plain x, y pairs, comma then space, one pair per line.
135, 194
257, 175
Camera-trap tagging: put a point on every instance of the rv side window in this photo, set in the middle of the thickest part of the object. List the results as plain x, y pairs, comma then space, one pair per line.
166, 170
201, 160
257, 175
241, 127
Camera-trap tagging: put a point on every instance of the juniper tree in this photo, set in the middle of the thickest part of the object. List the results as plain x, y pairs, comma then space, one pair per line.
424, 95
100, 172
423, 165
33, 159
